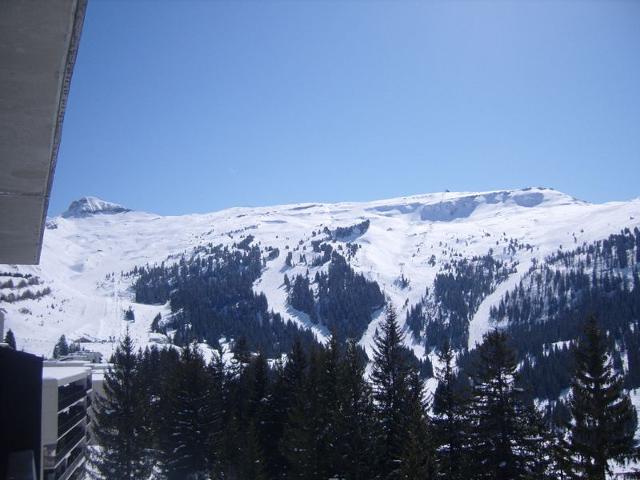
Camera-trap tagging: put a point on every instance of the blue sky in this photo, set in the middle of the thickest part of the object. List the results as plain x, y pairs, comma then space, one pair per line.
179, 107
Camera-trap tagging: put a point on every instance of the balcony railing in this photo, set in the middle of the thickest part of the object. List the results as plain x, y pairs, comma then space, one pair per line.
68, 423
75, 459
68, 398
68, 444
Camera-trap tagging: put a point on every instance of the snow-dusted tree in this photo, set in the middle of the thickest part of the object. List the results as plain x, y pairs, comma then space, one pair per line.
122, 428
390, 380
10, 339
61, 348
604, 420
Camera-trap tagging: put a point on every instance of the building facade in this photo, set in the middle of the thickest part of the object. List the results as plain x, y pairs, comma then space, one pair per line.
66, 401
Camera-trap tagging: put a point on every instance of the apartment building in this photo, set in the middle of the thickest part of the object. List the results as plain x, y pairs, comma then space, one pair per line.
66, 400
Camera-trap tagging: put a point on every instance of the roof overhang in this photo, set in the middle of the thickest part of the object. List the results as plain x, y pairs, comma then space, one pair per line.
38, 45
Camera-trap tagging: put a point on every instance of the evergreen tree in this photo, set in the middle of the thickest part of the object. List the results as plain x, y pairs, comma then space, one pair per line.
298, 444
450, 421
417, 460
253, 462
502, 429
155, 324
301, 296
122, 426
355, 414
61, 348
246, 436
561, 461
129, 314
536, 443
155, 366
160, 389
328, 407
604, 420
276, 409
256, 434
390, 379
193, 421
282, 395
10, 339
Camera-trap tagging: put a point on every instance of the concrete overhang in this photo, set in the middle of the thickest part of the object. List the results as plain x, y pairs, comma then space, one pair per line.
38, 45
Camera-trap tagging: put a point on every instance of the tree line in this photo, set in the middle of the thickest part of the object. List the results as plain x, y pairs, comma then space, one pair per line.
323, 414
546, 309
344, 300
211, 296
458, 290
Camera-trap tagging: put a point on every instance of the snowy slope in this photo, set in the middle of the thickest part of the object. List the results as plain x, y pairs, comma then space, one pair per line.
95, 238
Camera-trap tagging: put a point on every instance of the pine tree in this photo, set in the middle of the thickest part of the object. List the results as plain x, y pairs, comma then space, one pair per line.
121, 425
355, 418
298, 445
160, 408
450, 405
193, 418
604, 420
155, 324
536, 442
328, 406
219, 398
500, 440
245, 439
256, 433
390, 379
61, 348
417, 460
10, 339
253, 461
561, 461
276, 409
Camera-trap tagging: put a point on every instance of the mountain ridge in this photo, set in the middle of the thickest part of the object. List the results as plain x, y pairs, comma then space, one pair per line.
85, 258
427, 198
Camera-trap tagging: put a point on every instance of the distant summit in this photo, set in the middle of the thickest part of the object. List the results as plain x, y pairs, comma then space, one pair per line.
88, 206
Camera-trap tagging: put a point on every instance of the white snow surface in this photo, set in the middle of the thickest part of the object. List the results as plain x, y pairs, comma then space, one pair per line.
86, 206
81, 251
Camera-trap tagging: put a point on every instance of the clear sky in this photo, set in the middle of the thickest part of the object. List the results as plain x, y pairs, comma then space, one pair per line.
180, 107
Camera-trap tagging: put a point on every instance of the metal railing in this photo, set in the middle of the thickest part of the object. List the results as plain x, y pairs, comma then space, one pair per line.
68, 445
73, 464
66, 399
68, 423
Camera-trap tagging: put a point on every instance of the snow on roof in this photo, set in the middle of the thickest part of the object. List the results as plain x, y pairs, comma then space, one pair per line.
63, 375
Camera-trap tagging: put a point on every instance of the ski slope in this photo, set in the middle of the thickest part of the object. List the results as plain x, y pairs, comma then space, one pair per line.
87, 248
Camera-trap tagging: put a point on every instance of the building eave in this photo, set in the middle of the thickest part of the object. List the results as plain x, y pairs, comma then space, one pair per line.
38, 47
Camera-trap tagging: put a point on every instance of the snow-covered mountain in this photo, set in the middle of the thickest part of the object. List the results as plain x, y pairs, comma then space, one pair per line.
86, 206
402, 244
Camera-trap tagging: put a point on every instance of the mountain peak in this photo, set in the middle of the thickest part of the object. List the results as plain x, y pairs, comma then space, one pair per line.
88, 206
